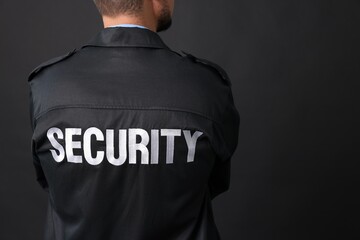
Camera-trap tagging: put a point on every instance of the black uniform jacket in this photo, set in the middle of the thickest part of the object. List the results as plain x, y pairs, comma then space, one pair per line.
131, 140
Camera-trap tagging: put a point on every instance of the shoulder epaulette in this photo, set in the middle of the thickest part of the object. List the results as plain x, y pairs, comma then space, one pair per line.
49, 62
213, 65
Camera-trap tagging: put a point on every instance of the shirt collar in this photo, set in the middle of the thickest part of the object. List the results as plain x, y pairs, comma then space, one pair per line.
126, 37
128, 25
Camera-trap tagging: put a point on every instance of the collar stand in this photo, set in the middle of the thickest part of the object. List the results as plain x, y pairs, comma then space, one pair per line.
126, 37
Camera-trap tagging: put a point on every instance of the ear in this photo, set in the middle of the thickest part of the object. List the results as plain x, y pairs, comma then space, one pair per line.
157, 6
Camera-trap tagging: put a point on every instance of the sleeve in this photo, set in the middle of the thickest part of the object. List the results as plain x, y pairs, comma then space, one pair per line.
40, 176
219, 180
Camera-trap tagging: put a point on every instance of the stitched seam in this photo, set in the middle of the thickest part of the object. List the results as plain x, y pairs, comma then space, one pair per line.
37, 117
124, 46
52, 217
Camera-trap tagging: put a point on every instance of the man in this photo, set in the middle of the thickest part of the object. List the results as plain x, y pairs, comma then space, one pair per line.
132, 140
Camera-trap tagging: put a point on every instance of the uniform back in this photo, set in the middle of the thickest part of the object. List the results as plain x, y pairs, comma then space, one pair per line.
131, 140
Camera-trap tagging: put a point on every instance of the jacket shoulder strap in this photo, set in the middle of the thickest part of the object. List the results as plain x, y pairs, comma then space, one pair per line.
212, 65
48, 63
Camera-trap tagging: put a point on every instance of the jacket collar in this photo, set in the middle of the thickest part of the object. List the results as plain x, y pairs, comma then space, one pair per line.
126, 37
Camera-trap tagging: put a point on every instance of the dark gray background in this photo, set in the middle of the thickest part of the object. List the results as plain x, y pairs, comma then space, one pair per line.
294, 66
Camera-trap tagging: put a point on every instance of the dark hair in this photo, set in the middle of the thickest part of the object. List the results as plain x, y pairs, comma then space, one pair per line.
112, 8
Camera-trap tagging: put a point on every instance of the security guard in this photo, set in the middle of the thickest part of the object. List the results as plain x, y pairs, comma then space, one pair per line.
131, 140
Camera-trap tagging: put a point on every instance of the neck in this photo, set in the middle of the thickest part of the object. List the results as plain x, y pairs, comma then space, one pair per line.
126, 20
144, 18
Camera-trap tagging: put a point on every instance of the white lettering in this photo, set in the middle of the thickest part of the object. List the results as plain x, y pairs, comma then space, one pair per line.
70, 144
130, 142
191, 143
87, 146
170, 138
110, 147
154, 146
50, 134
141, 146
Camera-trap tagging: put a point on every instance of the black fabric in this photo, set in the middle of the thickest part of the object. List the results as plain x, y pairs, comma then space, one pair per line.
127, 81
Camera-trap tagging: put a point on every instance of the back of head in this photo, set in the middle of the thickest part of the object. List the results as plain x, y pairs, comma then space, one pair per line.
112, 8
153, 14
